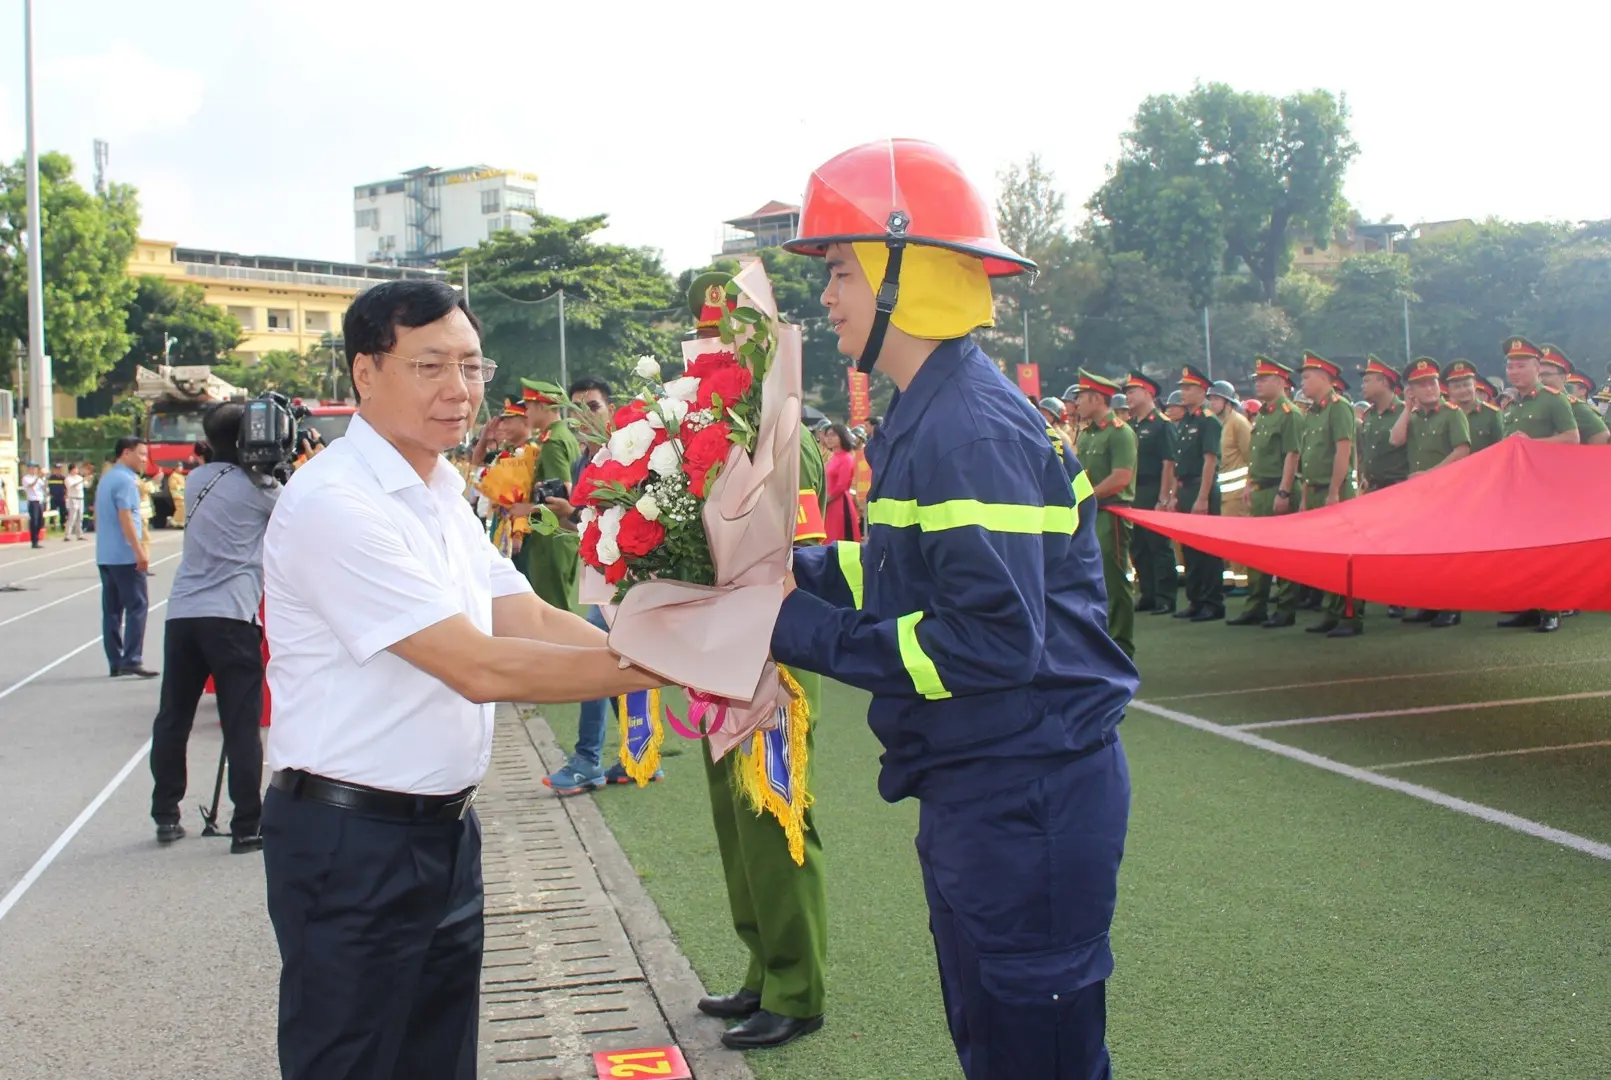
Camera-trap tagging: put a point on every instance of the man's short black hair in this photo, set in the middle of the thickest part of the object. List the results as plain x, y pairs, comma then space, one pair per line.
125, 444
370, 325
589, 382
223, 427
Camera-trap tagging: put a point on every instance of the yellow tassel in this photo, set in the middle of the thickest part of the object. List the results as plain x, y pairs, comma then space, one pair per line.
751, 772
644, 768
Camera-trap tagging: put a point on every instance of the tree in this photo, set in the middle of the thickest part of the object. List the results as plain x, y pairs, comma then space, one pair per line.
1273, 169
158, 313
1142, 320
620, 302
1573, 308
87, 240
1029, 216
1365, 312
291, 373
1244, 330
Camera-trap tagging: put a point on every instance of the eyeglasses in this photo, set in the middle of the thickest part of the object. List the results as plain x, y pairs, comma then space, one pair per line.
475, 370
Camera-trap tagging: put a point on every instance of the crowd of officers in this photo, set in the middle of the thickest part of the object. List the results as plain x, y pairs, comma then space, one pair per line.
1299, 451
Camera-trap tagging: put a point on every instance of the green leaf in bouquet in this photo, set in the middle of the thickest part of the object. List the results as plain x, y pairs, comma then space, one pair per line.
544, 521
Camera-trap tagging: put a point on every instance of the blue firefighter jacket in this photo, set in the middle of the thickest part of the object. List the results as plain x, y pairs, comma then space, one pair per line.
975, 611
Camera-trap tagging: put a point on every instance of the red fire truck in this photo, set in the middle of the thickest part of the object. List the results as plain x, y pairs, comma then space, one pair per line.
176, 399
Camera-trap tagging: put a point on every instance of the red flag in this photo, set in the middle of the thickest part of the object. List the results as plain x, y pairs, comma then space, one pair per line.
861, 399
1029, 379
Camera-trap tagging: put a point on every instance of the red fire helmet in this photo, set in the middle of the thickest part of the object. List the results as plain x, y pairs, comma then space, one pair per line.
901, 189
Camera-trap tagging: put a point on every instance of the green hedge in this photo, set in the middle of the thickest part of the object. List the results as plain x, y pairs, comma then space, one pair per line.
89, 439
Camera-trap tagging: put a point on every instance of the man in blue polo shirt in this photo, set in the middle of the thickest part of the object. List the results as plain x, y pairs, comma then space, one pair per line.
123, 554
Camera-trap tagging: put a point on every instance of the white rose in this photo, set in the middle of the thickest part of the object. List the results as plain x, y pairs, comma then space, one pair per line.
602, 456
589, 515
648, 368
683, 389
610, 523
665, 459
649, 508
674, 408
608, 550
630, 443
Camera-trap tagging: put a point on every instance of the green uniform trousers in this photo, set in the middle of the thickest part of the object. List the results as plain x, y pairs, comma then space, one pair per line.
1205, 574
1258, 582
1153, 555
1113, 534
780, 910
551, 565
1333, 605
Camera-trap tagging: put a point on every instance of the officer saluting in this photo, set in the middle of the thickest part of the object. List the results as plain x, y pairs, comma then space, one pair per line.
1466, 386
1325, 465
1272, 470
1107, 449
1197, 476
1152, 554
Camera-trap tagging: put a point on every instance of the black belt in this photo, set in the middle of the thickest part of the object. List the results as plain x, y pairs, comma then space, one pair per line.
367, 800
1260, 483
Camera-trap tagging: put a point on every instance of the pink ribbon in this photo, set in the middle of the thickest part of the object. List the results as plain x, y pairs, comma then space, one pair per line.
699, 706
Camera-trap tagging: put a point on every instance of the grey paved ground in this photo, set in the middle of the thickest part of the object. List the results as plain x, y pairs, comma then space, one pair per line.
124, 961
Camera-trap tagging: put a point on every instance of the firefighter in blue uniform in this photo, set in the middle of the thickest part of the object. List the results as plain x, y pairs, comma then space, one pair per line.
976, 616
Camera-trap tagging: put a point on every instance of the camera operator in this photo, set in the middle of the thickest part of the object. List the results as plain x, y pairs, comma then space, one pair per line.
212, 630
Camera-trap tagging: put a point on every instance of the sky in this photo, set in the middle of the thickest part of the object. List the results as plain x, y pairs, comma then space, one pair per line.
245, 124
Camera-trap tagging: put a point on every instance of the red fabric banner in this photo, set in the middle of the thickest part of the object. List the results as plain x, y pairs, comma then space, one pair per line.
861, 399
1029, 379
1522, 525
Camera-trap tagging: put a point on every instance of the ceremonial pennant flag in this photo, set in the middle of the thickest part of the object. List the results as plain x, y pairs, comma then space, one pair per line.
772, 774
641, 734
861, 399
1029, 379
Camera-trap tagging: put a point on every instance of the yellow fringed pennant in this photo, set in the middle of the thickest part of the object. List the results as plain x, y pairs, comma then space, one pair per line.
642, 732
773, 771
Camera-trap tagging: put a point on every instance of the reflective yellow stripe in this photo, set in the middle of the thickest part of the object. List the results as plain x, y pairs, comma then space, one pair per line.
850, 566
1083, 488
960, 513
925, 676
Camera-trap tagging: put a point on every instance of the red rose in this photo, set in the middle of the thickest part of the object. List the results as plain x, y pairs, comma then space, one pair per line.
636, 409
708, 363
731, 383
703, 451
638, 535
596, 476
615, 571
590, 545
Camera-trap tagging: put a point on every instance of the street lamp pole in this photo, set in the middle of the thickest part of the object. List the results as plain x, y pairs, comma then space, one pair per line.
41, 406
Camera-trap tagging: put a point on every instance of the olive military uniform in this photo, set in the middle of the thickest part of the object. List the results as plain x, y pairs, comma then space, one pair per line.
1539, 414
1277, 432
1381, 464
1434, 434
552, 561
1199, 434
1106, 445
1153, 555
1589, 421
1485, 424
780, 910
1328, 423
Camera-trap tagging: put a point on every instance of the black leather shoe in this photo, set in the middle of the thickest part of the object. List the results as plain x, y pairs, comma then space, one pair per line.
140, 672
246, 845
1146, 607
1445, 620
1549, 623
1420, 615
1207, 613
765, 1030
1280, 620
167, 834
1163, 609
1325, 626
1188, 612
1395, 612
1520, 620
1311, 605
1346, 630
731, 1006
1248, 618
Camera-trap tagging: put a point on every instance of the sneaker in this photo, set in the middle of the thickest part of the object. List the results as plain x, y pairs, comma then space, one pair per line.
575, 778
617, 774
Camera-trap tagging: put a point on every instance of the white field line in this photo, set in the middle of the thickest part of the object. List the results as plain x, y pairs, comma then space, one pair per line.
86, 562
1423, 710
63, 658
69, 596
1494, 754
1383, 678
60, 548
1502, 818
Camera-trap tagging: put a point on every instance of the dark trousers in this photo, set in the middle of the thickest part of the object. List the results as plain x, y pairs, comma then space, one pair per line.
1153, 556
231, 651
1021, 887
123, 608
36, 521
379, 924
1205, 574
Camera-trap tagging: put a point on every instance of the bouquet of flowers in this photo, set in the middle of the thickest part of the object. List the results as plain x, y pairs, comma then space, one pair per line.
504, 483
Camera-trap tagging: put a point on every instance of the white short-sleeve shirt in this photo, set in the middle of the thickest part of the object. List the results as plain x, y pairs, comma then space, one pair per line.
361, 553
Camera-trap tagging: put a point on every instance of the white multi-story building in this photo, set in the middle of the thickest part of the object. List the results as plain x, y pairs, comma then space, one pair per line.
417, 218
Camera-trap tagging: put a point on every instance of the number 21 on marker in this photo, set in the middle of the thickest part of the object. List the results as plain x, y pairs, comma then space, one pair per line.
664, 1062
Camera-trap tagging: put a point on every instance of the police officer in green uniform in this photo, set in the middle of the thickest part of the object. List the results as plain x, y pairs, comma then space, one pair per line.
1108, 452
1153, 555
552, 562
1272, 470
1483, 421
1538, 412
1197, 492
1555, 371
1325, 465
1433, 432
780, 910
1382, 463
1591, 426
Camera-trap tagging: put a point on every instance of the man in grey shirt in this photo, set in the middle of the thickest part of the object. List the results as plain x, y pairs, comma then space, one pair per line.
213, 630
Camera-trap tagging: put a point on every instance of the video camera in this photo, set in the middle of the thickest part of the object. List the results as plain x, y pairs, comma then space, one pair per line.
268, 439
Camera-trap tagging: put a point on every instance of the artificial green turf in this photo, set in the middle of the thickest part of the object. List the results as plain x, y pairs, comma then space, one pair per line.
1275, 921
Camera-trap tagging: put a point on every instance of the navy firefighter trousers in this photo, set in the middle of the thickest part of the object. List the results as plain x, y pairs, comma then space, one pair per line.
1021, 887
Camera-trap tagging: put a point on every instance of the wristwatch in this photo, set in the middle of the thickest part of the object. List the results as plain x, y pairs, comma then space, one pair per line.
1284, 494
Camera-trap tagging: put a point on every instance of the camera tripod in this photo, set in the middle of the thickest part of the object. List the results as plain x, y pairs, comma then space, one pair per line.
209, 815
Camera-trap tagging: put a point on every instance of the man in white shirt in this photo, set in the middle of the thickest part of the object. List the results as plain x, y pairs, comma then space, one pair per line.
33, 495
393, 624
75, 502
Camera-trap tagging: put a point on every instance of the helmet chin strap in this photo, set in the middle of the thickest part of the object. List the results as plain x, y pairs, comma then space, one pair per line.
888, 291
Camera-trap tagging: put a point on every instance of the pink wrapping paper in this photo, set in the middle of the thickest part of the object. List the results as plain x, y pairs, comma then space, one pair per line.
717, 639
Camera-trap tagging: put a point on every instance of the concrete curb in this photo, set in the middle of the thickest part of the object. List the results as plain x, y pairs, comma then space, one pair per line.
676, 988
